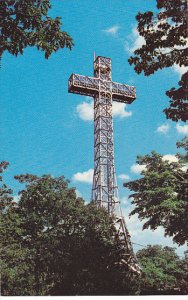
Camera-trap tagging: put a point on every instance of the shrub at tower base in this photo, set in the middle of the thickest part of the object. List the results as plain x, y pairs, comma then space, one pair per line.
54, 244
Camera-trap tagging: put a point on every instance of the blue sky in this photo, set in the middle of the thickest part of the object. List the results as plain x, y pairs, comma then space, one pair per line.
45, 130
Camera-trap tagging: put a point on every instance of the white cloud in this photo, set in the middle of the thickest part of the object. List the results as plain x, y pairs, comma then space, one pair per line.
137, 169
135, 41
85, 110
183, 129
119, 110
86, 177
170, 158
164, 128
112, 30
180, 70
124, 177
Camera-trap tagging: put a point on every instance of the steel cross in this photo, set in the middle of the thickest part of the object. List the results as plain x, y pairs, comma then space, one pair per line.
105, 190
104, 91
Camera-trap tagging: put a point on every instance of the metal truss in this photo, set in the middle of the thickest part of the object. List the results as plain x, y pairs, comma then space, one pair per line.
105, 189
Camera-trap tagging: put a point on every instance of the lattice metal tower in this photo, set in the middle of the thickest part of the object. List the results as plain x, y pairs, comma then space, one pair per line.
105, 190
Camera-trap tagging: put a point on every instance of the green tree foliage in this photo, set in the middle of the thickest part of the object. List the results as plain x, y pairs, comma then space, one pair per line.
165, 35
26, 23
59, 245
161, 194
14, 270
5, 192
163, 271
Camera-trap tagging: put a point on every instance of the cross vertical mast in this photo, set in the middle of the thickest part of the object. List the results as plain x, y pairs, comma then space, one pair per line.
104, 191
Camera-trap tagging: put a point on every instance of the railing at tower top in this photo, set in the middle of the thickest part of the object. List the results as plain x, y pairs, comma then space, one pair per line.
83, 85
89, 86
123, 93
104, 61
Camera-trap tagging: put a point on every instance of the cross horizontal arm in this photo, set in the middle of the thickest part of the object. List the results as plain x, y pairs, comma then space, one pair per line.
89, 86
83, 85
